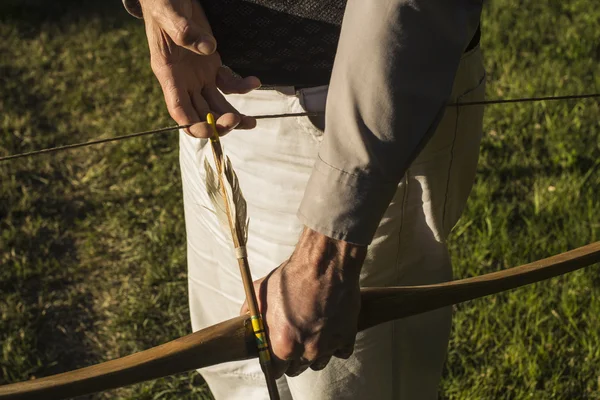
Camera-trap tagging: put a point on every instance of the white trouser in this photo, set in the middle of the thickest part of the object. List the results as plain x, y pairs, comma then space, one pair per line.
397, 360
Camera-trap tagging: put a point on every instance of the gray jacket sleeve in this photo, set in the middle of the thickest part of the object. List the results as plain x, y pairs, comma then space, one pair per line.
393, 73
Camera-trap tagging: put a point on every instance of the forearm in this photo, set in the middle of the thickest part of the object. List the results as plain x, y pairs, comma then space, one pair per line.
330, 256
392, 76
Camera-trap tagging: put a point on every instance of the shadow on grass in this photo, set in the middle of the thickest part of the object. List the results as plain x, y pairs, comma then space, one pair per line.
16, 94
47, 300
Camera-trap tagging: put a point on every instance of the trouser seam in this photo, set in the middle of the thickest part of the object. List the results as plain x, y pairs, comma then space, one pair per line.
446, 194
402, 211
394, 373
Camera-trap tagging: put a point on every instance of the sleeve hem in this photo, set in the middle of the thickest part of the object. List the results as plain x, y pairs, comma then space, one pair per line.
344, 206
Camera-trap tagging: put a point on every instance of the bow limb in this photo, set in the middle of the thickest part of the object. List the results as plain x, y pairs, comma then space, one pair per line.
385, 304
227, 341
233, 340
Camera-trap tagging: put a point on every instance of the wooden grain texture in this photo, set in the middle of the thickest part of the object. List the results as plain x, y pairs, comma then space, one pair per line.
386, 304
233, 339
227, 341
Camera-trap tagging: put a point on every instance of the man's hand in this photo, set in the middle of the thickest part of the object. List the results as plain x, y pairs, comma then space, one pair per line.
311, 303
183, 58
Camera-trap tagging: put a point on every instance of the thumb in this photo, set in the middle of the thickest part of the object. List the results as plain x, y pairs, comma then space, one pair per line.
259, 289
185, 23
245, 310
190, 35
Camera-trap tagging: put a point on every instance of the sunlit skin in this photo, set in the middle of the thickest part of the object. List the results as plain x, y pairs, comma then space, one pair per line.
311, 303
184, 59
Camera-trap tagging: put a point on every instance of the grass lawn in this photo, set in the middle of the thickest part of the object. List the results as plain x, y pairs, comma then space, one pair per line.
92, 241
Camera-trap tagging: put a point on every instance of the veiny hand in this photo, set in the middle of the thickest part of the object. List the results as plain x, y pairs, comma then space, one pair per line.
311, 303
183, 58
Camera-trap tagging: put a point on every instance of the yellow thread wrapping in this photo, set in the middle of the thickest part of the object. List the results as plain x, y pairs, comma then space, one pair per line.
257, 324
261, 340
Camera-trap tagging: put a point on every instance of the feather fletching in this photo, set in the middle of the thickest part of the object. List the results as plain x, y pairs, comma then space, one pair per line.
234, 192
237, 202
213, 188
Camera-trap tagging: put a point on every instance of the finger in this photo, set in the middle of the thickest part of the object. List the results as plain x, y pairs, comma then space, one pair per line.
344, 352
201, 105
297, 367
278, 367
202, 108
285, 351
216, 101
187, 27
229, 83
257, 289
225, 124
320, 363
248, 122
179, 103
260, 289
245, 310
257, 285
219, 103
203, 129
189, 35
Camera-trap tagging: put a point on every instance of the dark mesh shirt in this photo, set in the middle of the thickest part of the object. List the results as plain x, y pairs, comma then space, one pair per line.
282, 42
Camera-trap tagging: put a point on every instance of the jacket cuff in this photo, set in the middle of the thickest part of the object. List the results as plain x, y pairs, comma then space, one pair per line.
134, 8
344, 206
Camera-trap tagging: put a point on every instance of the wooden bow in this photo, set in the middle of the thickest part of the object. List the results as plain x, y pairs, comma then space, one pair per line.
233, 340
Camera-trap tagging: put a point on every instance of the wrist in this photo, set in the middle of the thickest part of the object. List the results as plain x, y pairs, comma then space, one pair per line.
325, 253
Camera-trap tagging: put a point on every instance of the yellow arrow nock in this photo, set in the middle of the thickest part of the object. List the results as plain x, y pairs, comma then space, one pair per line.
211, 121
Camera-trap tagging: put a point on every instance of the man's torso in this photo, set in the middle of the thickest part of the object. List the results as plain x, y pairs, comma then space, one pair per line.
284, 42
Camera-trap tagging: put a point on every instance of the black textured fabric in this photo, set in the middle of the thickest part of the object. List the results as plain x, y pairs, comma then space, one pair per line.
283, 42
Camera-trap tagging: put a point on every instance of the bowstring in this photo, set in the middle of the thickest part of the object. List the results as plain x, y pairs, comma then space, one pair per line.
286, 115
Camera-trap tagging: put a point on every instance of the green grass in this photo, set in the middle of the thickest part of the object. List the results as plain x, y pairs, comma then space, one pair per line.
92, 242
